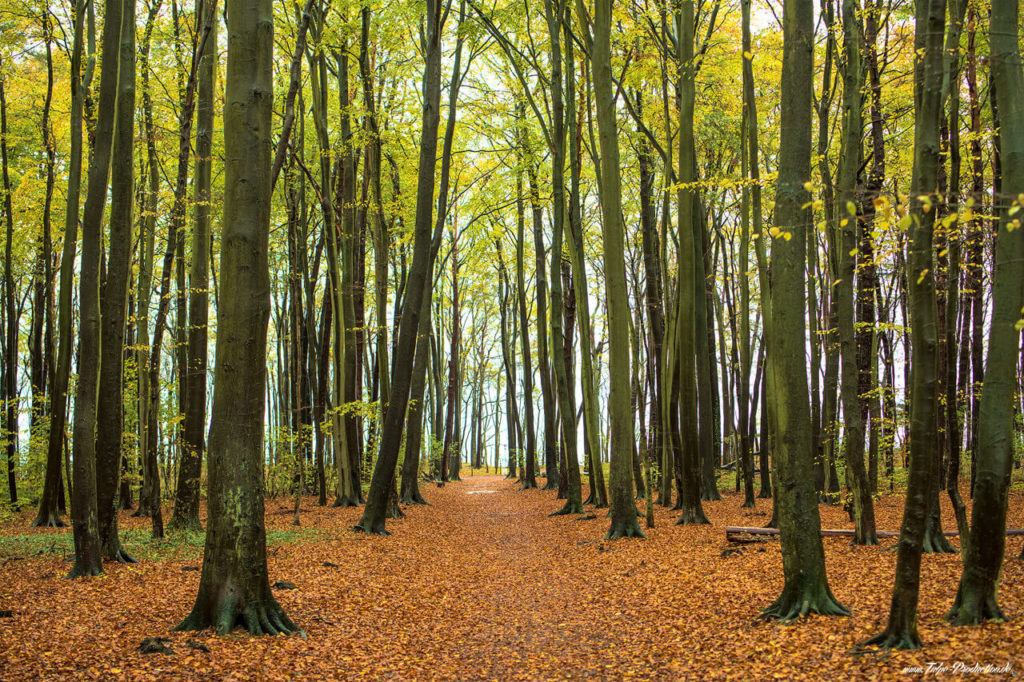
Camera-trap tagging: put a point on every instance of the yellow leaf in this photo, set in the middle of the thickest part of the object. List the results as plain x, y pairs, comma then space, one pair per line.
924, 273
809, 186
787, 235
748, 55
851, 208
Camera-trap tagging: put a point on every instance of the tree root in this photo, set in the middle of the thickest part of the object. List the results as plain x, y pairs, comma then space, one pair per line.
83, 571
570, 507
413, 498
371, 528
794, 604
260, 619
975, 610
119, 555
626, 528
894, 640
692, 516
345, 501
48, 521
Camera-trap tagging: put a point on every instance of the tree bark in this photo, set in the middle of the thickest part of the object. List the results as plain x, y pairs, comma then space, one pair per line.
234, 589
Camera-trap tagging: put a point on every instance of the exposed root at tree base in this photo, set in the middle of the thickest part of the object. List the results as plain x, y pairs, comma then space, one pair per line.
788, 608
628, 528
975, 610
692, 516
48, 521
80, 571
376, 528
119, 555
570, 507
262, 619
893, 640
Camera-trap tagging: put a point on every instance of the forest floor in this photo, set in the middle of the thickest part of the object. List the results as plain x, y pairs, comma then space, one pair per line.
482, 584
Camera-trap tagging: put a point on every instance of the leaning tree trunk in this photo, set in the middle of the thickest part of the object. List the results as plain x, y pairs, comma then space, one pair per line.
382, 481
234, 588
806, 587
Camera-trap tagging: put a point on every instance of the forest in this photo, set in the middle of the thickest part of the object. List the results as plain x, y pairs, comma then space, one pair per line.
474, 339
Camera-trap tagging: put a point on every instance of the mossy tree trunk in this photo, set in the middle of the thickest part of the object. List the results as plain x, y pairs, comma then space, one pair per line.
806, 587
977, 596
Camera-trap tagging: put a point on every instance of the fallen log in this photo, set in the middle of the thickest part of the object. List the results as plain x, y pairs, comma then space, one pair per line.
742, 534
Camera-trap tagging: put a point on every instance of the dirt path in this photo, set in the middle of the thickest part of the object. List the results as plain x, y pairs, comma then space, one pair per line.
483, 584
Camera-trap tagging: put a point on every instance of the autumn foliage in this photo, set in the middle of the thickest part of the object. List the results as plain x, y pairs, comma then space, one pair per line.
483, 584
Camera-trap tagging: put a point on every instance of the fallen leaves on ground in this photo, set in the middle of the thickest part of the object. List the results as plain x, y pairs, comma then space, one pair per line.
488, 586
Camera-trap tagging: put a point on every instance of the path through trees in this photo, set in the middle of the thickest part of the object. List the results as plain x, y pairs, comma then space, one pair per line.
487, 585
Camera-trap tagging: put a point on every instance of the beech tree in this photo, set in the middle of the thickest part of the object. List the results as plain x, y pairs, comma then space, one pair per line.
234, 589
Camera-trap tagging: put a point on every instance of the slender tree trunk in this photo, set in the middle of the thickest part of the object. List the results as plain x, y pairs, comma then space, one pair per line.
977, 596
114, 306
9, 393
901, 631
847, 225
88, 558
186, 501
383, 473
623, 508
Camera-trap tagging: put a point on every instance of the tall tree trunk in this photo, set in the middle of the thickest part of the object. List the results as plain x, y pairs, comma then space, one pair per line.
114, 306
806, 587
749, 129
977, 596
901, 630
88, 558
186, 501
42, 341
690, 277
234, 589
9, 392
391, 438
530, 472
623, 509
53, 491
557, 19
847, 226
